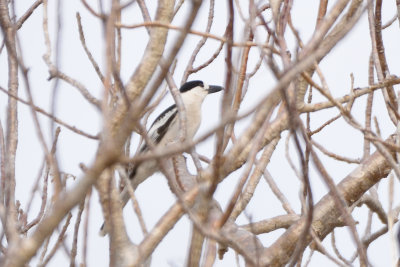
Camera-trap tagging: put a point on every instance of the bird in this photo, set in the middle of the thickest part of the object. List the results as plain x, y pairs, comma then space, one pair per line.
166, 129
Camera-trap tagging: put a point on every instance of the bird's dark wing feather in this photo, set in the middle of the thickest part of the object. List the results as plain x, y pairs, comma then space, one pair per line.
160, 126
156, 132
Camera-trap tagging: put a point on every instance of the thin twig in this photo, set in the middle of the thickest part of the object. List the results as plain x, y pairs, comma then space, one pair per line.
91, 10
87, 51
86, 229
54, 73
74, 248
203, 34
58, 242
40, 110
333, 155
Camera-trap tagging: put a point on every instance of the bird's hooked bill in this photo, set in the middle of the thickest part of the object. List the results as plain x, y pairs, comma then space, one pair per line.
214, 89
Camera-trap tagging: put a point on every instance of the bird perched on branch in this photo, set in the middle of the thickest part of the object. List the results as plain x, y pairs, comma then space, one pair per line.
166, 129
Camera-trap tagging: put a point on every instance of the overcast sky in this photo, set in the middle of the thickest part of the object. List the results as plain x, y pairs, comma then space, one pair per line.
350, 56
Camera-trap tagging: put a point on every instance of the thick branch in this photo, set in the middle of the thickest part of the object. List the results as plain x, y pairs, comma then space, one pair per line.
326, 213
149, 61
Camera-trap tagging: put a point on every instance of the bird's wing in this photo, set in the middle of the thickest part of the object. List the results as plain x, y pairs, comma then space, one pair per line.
156, 132
160, 126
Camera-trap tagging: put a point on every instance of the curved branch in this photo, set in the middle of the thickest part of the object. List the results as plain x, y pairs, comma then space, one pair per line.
326, 213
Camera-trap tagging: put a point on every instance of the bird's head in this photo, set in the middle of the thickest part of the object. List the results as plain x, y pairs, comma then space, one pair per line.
198, 90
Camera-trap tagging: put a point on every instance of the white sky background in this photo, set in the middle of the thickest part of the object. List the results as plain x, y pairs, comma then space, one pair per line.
350, 56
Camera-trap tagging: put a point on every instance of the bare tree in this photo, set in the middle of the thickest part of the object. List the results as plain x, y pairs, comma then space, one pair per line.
259, 38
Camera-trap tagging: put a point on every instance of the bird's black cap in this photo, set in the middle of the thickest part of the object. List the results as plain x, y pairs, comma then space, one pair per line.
189, 85
192, 84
